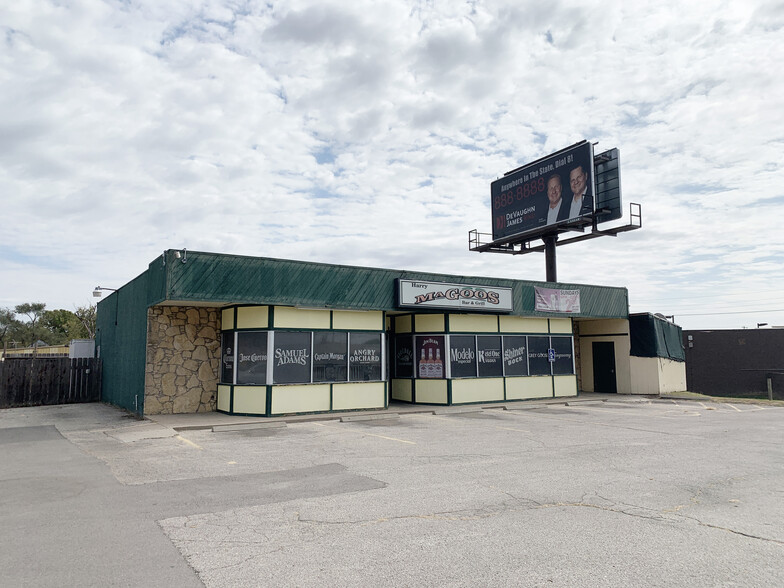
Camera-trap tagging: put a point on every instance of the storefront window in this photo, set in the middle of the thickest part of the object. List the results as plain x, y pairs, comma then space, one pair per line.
252, 357
563, 363
330, 362
404, 357
462, 356
227, 358
430, 354
515, 356
291, 358
365, 357
489, 357
538, 362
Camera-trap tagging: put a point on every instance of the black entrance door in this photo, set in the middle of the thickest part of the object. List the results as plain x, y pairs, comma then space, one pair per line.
604, 367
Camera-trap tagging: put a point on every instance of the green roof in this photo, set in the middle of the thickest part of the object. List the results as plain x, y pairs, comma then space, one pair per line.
220, 279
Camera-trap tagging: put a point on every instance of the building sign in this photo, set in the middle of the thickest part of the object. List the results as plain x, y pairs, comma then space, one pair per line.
555, 190
463, 297
553, 300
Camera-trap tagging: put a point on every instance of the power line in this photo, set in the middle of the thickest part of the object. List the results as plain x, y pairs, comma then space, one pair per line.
653, 300
738, 312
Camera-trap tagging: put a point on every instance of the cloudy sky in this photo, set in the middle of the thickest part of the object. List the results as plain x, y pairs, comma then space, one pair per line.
368, 133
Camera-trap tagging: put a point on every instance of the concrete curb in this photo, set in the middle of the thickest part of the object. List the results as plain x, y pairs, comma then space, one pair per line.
247, 427
458, 410
369, 417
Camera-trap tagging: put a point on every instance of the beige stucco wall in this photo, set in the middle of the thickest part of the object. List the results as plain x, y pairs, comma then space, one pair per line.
615, 330
655, 375
183, 356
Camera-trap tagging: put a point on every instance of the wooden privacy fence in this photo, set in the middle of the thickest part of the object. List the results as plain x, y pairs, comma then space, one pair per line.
49, 380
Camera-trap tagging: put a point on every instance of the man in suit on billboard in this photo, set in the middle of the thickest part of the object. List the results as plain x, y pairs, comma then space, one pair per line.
581, 202
558, 209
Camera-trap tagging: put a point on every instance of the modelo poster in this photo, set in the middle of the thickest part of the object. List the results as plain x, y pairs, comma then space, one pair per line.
555, 190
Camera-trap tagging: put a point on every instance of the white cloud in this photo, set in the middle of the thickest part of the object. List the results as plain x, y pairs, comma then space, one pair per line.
130, 127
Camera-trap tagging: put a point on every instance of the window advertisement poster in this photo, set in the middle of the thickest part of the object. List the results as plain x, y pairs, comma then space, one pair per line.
515, 356
430, 354
227, 358
462, 356
291, 358
564, 362
404, 357
252, 357
364, 356
535, 199
538, 357
553, 300
489, 356
330, 357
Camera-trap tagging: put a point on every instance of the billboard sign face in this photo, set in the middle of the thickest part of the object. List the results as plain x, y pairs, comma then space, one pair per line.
555, 190
420, 294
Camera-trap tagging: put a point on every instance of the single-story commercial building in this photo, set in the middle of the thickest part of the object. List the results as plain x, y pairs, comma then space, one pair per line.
258, 336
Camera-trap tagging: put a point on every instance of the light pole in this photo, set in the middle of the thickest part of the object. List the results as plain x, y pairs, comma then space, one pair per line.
97, 294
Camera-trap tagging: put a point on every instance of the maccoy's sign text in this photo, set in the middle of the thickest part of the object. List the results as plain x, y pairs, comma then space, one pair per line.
419, 294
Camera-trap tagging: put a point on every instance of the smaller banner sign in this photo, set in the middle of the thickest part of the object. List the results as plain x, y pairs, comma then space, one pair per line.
464, 297
552, 300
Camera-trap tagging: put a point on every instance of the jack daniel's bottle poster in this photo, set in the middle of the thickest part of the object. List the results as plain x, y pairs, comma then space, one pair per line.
429, 352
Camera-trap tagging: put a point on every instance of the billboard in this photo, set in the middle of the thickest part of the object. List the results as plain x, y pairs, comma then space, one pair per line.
555, 190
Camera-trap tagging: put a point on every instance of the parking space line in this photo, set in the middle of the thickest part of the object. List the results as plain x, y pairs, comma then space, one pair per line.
511, 429
189, 442
733, 406
637, 413
366, 434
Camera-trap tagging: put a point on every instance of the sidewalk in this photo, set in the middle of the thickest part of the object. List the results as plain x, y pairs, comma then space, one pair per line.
207, 420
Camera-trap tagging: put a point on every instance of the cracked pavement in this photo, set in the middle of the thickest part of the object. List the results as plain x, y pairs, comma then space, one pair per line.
627, 492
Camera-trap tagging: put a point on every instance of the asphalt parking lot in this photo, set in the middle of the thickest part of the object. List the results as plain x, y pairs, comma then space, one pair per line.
623, 492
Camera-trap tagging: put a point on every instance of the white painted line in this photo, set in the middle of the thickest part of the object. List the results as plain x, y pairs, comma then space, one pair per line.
511, 429
364, 434
188, 442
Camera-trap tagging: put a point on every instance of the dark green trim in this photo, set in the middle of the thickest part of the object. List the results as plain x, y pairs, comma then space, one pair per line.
387, 389
446, 323
236, 317
413, 391
505, 388
231, 399
271, 317
331, 320
268, 403
449, 392
331, 398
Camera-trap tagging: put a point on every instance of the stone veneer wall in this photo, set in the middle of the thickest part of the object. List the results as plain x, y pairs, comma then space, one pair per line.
183, 357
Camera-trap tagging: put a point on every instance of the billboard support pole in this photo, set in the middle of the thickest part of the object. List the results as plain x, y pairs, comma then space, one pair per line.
549, 258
